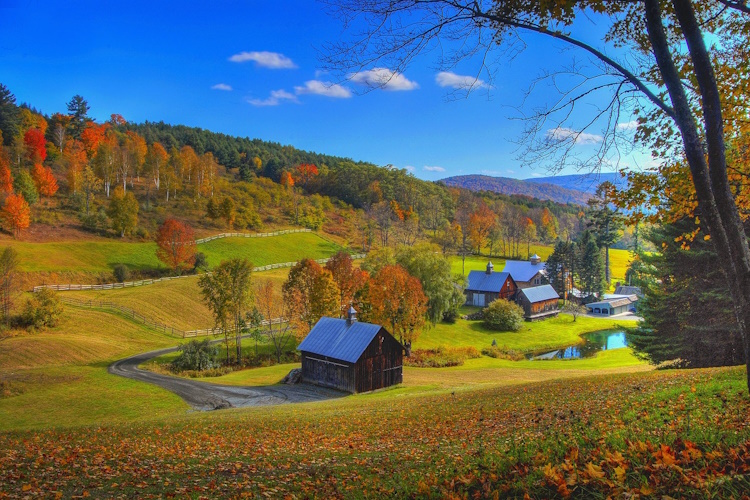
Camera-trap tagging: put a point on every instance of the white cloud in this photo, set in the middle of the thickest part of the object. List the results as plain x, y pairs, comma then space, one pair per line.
433, 169
561, 134
272, 60
383, 78
631, 125
324, 88
222, 86
409, 168
276, 98
537, 174
449, 79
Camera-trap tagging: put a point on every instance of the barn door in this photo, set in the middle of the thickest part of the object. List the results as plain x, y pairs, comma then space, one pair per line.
479, 299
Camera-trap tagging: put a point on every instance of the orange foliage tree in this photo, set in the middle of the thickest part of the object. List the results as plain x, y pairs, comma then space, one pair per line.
75, 159
395, 299
304, 173
16, 214
92, 136
44, 180
175, 243
481, 222
348, 278
312, 293
286, 179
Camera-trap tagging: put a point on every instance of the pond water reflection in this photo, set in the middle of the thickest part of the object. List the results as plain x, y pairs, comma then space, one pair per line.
593, 343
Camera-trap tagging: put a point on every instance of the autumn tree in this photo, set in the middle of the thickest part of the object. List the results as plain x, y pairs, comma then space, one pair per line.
6, 177
228, 294
16, 214
312, 293
36, 145
277, 312
44, 180
8, 282
304, 173
176, 246
395, 300
123, 211
680, 66
548, 226
75, 160
348, 278
481, 222
287, 180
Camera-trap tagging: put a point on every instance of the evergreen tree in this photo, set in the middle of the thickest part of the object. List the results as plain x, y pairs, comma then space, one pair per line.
9, 116
560, 266
605, 222
78, 108
687, 309
590, 265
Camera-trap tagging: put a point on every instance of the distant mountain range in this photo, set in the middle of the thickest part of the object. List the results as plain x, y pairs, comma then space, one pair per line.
575, 189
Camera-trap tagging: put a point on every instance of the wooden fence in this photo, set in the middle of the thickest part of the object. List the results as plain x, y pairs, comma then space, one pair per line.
131, 284
251, 235
135, 316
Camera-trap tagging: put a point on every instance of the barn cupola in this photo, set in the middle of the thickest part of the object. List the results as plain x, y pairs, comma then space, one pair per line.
351, 316
535, 260
490, 268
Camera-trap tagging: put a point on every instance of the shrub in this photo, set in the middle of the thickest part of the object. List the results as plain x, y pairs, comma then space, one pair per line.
43, 309
503, 316
197, 355
121, 272
201, 262
503, 353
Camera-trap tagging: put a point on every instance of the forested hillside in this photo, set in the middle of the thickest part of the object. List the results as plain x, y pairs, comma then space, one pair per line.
507, 186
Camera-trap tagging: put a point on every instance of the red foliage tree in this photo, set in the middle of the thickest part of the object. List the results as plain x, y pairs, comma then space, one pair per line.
16, 214
176, 245
92, 136
304, 173
36, 145
6, 178
44, 180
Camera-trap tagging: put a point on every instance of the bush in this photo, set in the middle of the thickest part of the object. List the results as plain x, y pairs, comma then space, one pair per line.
503, 353
121, 272
197, 355
201, 262
503, 316
441, 357
43, 309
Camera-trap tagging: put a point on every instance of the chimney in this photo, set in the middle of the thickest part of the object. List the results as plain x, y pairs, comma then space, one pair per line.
351, 316
490, 268
535, 260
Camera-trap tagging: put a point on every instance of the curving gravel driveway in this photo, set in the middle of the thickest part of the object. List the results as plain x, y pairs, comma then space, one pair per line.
205, 396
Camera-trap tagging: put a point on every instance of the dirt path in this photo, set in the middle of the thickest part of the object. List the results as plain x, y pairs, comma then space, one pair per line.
204, 396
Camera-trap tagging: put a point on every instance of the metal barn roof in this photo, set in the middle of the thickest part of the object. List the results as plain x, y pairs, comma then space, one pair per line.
523, 270
336, 339
540, 293
480, 281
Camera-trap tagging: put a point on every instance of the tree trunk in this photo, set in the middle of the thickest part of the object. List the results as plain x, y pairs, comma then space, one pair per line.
715, 201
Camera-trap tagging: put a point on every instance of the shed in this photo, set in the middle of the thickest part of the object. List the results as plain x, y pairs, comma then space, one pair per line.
539, 302
351, 356
527, 273
487, 286
613, 304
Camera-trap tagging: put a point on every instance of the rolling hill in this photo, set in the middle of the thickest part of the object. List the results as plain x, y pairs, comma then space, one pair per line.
581, 182
507, 186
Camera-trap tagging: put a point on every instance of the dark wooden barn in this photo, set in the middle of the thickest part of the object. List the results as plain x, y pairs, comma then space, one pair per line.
539, 302
351, 356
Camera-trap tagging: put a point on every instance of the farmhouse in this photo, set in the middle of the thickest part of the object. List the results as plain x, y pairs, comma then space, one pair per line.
351, 356
613, 304
487, 286
526, 273
538, 302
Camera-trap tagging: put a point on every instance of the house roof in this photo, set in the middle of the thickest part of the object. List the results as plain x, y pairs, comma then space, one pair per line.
522, 270
336, 339
628, 290
540, 293
480, 281
614, 301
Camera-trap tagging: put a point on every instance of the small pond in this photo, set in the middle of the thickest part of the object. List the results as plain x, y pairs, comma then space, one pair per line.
593, 343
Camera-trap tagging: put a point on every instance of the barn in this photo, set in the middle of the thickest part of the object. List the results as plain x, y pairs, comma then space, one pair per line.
351, 356
487, 286
539, 302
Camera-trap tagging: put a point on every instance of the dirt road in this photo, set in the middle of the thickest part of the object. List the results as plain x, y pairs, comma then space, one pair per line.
205, 396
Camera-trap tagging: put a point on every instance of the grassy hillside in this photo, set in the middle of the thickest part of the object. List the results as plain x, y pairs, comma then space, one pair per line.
101, 256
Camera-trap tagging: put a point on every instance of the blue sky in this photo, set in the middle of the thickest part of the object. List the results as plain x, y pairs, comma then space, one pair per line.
252, 68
